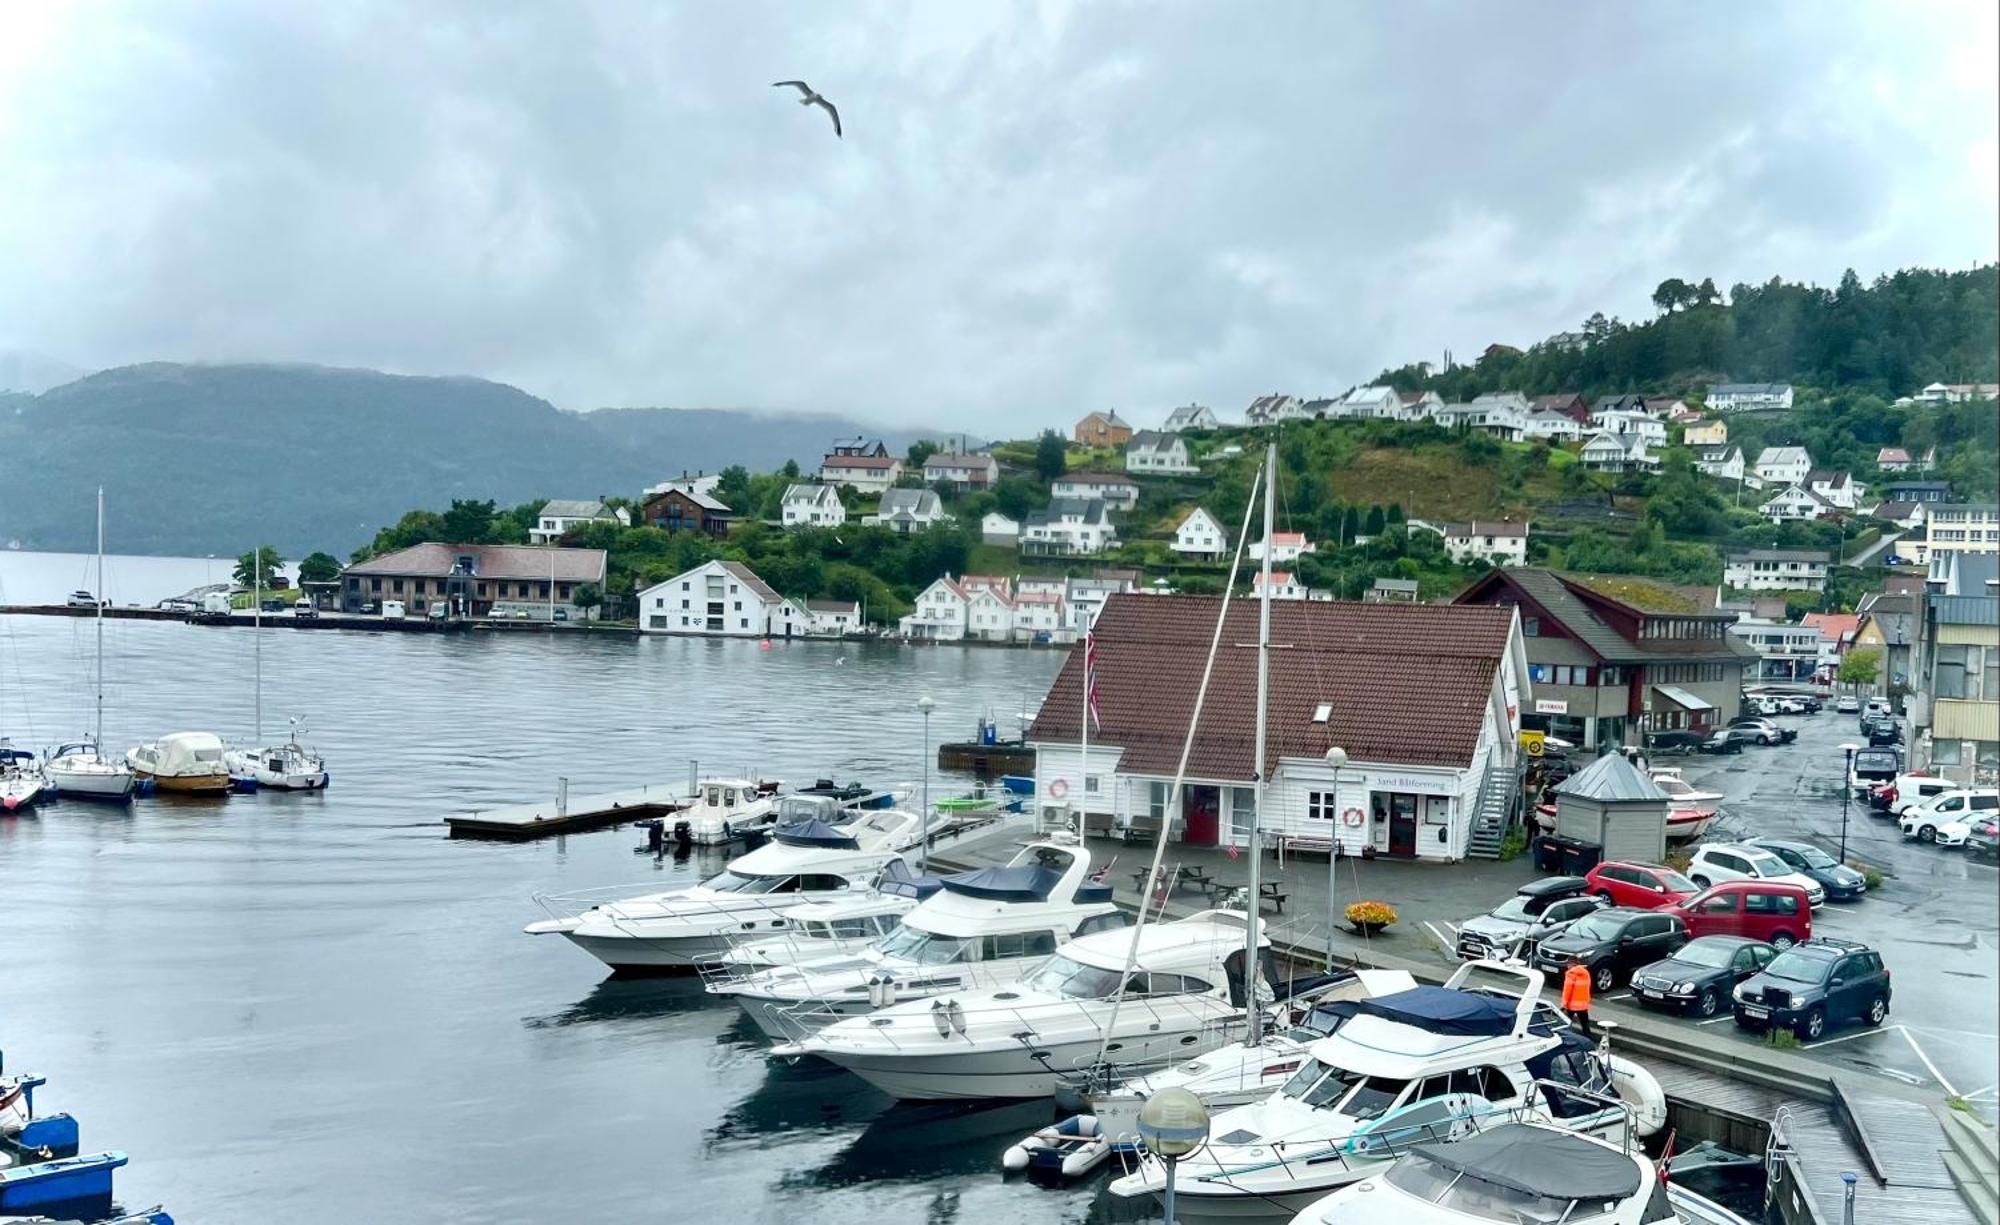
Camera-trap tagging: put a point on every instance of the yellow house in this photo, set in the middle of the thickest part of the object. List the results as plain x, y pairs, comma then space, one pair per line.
1105, 429
1708, 433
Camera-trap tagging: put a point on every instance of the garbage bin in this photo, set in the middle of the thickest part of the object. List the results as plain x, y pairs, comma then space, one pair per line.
1579, 857
1548, 853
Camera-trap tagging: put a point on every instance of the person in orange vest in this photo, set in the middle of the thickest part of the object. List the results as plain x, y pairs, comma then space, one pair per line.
1576, 995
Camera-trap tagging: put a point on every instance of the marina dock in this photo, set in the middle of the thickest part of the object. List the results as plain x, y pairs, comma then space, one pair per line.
567, 814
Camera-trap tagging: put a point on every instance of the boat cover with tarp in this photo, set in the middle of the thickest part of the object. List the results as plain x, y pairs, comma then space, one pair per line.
1442, 1010
899, 881
1019, 883
1538, 1161
817, 833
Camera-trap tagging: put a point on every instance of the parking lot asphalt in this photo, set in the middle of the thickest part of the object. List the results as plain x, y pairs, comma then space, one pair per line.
1936, 919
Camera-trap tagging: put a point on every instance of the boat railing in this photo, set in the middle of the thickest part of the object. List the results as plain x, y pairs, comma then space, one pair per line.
1144, 1015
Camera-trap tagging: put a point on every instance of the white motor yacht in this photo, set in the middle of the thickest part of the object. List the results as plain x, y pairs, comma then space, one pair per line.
723, 810
21, 779
1182, 995
1691, 810
985, 929
683, 928
1515, 1172
843, 925
1424, 1065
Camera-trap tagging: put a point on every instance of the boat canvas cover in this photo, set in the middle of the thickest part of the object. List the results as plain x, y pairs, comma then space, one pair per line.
1538, 1161
1444, 1011
899, 881
817, 833
1024, 883
185, 752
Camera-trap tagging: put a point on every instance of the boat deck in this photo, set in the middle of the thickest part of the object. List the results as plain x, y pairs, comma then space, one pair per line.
543, 818
1895, 1149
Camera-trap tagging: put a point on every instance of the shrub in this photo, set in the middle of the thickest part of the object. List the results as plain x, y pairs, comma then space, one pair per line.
1365, 913
1870, 874
1783, 1039
1514, 843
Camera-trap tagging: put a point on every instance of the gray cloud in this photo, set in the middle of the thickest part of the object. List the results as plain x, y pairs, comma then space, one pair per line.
1039, 208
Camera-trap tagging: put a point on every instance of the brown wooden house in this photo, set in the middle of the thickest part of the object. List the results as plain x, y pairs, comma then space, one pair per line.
680, 510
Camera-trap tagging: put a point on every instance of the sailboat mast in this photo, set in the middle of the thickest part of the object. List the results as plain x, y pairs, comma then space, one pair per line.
97, 741
257, 632
1252, 1017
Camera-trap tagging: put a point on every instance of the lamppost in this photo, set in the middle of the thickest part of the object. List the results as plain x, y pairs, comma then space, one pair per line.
924, 708
1337, 758
1173, 1123
1846, 786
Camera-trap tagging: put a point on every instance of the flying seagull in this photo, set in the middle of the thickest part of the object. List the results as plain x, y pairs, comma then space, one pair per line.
810, 98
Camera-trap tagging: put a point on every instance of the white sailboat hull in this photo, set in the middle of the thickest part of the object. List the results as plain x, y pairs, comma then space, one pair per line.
19, 793
97, 781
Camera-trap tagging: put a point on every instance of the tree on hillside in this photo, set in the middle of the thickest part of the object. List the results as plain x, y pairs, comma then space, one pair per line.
1376, 521
1350, 525
467, 522
318, 568
1051, 455
1706, 294
261, 562
1860, 667
920, 451
1672, 293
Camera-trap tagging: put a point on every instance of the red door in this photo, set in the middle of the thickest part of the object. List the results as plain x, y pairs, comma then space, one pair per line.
1204, 815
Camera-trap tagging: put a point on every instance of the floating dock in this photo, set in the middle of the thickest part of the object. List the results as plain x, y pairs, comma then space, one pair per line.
567, 814
987, 760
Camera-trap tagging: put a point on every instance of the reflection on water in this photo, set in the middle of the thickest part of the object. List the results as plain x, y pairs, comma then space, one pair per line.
263, 996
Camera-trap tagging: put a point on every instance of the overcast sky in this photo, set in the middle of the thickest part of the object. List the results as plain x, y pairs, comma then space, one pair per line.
1038, 208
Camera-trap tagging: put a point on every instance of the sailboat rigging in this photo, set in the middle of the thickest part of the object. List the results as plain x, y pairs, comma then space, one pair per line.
81, 770
289, 766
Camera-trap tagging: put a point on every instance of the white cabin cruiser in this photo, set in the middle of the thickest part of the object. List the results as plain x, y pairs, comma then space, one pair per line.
683, 928
985, 929
1425, 1065
725, 809
1183, 995
1691, 810
842, 925
1514, 1172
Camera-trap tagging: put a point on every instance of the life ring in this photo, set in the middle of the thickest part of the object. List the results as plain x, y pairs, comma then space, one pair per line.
1059, 788
1352, 818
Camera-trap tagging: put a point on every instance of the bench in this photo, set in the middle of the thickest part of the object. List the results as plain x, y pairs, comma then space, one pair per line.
1271, 891
1292, 844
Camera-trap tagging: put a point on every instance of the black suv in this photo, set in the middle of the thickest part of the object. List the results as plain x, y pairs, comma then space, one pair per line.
1702, 974
1813, 985
1612, 943
1662, 743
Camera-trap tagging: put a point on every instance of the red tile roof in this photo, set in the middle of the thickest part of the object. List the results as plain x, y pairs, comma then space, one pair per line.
1408, 683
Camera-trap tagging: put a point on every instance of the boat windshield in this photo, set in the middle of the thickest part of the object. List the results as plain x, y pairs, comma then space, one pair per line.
1061, 976
731, 882
798, 809
1672, 786
1322, 1085
1475, 1197
924, 948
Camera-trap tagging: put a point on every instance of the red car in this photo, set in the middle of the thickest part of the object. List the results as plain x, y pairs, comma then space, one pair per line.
1766, 910
1645, 886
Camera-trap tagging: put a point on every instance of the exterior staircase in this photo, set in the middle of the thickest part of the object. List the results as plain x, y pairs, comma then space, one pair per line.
1490, 816
1973, 1157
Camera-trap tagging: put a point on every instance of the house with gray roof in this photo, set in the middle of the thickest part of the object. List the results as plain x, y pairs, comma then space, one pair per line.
559, 517
1068, 527
1157, 453
1749, 397
908, 510
1191, 417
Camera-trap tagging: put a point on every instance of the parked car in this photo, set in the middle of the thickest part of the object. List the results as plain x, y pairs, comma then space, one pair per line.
1644, 886
1946, 819
1813, 986
305, 610
1847, 704
271, 604
1767, 732
1780, 914
1907, 791
1661, 744
82, 599
1702, 974
1841, 882
1715, 862
1873, 765
1876, 708
1612, 944
1724, 742
1982, 837
1791, 706
1748, 733
1883, 731
1538, 910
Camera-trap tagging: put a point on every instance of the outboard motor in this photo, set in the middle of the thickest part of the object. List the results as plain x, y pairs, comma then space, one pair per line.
683, 836
656, 838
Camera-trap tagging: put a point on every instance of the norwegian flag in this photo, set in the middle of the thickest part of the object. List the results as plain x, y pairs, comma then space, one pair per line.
1232, 852
1090, 676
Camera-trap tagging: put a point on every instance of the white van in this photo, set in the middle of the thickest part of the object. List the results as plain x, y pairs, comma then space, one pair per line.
215, 602
392, 610
1945, 819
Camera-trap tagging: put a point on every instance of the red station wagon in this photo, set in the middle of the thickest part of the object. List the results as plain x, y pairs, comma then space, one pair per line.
1647, 886
1765, 910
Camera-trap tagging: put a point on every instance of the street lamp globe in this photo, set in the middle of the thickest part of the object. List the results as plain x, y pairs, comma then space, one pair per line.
1336, 757
925, 705
1173, 1123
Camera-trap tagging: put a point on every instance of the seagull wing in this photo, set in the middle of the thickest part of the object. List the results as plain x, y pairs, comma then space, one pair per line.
801, 86
823, 104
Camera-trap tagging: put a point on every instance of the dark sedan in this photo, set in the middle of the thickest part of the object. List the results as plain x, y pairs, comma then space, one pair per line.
1842, 883
1661, 743
1701, 975
1612, 944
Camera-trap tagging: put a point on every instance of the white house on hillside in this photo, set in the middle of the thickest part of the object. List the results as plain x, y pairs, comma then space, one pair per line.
1417, 405
1271, 409
861, 471
1653, 430
1835, 487
1795, 502
1776, 570
997, 528
1552, 425
719, 599
1068, 527
1501, 543
987, 608
962, 471
1116, 492
1199, 535
1723, 461
560, 517
908, 510
1749, 397
1191, 417
1378, 403
1284, 585
1609, 452
1784, 465
1285, 547
1153, 451
812, 506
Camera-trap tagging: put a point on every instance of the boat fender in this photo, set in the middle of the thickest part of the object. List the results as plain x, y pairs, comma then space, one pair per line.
955, 1013
881, 989
939, 1019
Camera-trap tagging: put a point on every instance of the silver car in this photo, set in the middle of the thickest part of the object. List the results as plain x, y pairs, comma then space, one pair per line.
1515, 927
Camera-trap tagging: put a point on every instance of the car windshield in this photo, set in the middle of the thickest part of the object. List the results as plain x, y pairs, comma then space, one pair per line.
1061, 976
1515, 908
731, 882
922, 947
1709, 956
1813, 857
1675, 882
1768, 865
1797, 967
1597, 927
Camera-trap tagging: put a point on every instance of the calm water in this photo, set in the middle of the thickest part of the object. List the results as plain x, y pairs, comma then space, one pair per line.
316, 1008
47, 578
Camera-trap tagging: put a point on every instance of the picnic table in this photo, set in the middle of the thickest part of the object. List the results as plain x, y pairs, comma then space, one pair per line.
1192, 875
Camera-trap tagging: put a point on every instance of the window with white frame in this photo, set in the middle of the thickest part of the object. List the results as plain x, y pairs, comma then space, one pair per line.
1156, 800
1320, 806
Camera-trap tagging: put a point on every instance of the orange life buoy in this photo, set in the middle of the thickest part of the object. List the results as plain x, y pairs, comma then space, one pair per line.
1059, 788
1352, 818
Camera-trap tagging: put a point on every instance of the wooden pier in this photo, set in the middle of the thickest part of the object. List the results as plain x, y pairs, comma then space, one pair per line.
567, 814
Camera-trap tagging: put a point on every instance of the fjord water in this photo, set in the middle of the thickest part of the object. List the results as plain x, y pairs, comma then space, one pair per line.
316, 1008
